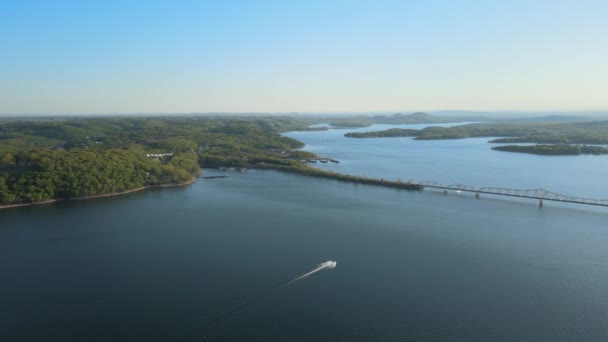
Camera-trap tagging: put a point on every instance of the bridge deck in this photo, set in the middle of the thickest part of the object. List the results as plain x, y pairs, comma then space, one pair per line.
539, 194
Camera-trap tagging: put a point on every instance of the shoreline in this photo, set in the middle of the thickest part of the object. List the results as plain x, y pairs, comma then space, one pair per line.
311, 172
346, 178
54, 200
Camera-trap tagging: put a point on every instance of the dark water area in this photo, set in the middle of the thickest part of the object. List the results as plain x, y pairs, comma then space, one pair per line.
213, 259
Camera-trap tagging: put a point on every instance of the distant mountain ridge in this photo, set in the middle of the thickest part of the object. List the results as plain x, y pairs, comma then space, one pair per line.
414, 118
553, 118
395, 119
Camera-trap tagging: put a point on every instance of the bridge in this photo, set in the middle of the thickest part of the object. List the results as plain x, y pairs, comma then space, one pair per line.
538, 194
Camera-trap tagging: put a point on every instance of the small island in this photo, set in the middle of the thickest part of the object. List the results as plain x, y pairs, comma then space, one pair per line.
312, 129
565, 138
389, 133
554, 150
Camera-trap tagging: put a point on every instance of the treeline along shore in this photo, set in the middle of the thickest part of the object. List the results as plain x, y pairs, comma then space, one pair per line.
566, 138
554, 150
313, 172
77, 158
70, 158
186, 183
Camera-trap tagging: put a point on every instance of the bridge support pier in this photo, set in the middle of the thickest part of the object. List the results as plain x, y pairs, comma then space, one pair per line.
477, 195
445, 191
540, 204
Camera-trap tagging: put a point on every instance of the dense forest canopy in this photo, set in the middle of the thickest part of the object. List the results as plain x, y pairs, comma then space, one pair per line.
44, 160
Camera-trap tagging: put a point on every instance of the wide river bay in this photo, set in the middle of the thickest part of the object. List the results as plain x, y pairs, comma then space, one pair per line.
215, 259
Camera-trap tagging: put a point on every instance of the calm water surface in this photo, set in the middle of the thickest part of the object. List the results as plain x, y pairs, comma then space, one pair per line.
465, 161
212, 260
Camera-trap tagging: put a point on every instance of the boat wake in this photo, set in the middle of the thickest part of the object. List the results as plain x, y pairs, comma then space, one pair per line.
212, 324
328, 265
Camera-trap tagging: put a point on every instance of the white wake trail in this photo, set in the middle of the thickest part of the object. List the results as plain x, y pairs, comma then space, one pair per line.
213, 323
328, 265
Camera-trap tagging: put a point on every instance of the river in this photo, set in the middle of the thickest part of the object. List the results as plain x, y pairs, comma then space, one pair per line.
457, 161
215, 259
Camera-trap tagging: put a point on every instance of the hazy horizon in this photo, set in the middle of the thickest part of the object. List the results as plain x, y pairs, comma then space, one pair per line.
154, 57
447, 112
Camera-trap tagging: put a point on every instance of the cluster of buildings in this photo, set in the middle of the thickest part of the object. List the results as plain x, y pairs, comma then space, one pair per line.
159, 155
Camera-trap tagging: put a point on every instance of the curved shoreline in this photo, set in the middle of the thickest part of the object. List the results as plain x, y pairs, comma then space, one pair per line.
54, 200
346, 178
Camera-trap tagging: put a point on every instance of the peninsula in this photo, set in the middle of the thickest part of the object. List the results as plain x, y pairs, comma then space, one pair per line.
46, 159
554, 150
389, 133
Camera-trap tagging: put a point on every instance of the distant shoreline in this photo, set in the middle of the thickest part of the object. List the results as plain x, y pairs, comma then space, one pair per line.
54, 200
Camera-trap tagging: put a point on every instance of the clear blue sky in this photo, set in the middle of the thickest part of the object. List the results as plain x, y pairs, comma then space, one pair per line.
307, 56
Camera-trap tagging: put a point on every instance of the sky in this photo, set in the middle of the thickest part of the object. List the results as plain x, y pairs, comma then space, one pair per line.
302, 56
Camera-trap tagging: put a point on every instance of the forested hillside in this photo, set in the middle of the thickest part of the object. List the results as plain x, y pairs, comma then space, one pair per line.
45, 160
